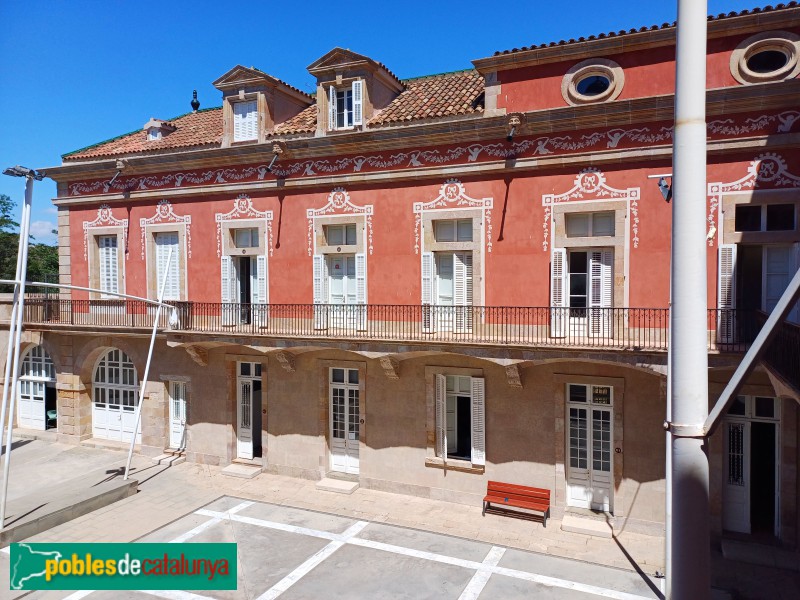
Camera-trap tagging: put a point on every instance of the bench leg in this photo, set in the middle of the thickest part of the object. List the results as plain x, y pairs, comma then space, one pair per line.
485, 504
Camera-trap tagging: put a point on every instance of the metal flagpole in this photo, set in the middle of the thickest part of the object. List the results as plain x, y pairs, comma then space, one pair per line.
688, 577
147, 367
9, 395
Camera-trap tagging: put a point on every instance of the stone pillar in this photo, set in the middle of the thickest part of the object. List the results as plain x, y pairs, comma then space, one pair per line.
154, 419
74, 409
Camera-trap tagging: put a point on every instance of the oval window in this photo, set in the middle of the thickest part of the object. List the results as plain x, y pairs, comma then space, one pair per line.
593, 85
767, 61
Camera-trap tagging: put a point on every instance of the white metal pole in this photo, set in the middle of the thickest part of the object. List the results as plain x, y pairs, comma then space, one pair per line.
690, 547
147, 368
12, 325
25, 229
668, 472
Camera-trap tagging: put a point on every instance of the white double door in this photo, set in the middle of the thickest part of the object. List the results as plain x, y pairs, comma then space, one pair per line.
32, 404
116, 419
590, 477
342, 288
345, 427
177, 415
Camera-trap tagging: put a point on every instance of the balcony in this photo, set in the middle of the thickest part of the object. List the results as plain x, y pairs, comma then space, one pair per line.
632, 329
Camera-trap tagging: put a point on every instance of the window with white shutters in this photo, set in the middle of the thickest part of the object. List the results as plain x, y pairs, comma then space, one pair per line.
726, 293
460, 418
109, 267
167, 242
346, 106
245, 121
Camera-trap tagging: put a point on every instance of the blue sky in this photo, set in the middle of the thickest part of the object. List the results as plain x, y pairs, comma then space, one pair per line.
77, 72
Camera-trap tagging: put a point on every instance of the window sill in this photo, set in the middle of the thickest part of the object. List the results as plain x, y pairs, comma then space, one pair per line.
462, 466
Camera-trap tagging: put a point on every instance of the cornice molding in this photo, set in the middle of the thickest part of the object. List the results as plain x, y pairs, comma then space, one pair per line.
490, 168
722, 101
637, 41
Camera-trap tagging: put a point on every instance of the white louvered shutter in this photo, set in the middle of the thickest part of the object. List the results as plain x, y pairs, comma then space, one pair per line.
166, 243
361, 290
558, 293
462, 291
320, 292
357, 101
428, 301
441, 416
601, 284
331, 108
227, 290
726, 294
245, 121
478, 421
109, 280
260, 298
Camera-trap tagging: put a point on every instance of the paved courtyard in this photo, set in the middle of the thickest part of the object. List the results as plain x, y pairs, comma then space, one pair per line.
295, 553
308, 543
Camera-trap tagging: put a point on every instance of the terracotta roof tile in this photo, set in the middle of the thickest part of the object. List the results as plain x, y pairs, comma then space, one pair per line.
202, 128
303, 122
432, 97
437, 96
622, 32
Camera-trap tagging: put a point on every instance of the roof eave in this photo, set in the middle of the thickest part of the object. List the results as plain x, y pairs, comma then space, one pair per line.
638, 40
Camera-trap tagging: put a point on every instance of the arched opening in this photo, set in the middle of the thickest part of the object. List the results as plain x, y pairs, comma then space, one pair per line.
115, 394
37, 391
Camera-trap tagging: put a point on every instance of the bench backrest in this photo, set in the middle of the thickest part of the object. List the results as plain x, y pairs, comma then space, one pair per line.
518, 492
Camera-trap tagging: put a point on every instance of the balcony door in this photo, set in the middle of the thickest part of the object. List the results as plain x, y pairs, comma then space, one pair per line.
244, 289
581, 293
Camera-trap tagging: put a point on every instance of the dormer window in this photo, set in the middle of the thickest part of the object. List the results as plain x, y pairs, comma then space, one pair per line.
345, 106
157, 129
245, 121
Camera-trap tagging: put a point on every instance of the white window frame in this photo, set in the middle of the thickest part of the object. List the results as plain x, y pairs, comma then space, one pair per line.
456, 226
356, 90
348, 232
477, 395
590, 227
245, 124
108, 266
172, 289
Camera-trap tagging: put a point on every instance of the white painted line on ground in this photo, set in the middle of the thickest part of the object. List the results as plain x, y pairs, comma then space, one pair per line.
218, 517
433, 557
174, 595
305, 568
481, 577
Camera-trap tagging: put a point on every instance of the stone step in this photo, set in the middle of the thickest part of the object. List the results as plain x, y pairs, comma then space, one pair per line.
241, 470
595, 527
340, 486
169, 459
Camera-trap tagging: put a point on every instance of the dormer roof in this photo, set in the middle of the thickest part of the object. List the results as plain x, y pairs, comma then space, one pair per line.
342, 60
240, 77
164, 126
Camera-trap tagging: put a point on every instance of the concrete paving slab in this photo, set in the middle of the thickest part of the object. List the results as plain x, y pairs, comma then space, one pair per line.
354, 572
426, 541
297, 517
594, 527
569, 569
499, 586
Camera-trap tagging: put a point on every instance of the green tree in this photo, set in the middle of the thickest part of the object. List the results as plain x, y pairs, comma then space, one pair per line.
42, 258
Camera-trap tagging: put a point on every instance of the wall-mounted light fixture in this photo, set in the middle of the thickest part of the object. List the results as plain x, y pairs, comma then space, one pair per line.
664, 186
277, 150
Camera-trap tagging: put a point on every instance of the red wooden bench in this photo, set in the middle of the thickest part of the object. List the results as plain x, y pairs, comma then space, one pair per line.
518, 496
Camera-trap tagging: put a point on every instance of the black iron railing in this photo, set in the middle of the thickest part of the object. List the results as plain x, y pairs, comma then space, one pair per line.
614, 328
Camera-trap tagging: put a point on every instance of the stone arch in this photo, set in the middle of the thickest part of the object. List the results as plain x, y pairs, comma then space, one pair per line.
91, 352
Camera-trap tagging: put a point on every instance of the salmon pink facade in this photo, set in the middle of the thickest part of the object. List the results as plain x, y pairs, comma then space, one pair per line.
422, 285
